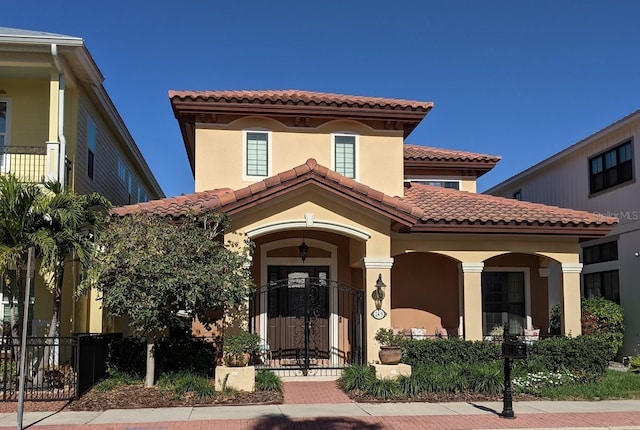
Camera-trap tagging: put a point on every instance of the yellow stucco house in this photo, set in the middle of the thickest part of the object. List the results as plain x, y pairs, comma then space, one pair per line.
338, 204
57, 122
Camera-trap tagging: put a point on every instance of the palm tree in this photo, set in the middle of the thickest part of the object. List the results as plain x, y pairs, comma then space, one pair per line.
17, 226
68, 224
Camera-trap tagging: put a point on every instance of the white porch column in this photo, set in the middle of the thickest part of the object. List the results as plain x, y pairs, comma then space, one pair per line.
571, 312
472, 299
373, 267
52, 162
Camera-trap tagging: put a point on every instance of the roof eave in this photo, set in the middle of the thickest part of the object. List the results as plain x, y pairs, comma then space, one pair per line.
590, 231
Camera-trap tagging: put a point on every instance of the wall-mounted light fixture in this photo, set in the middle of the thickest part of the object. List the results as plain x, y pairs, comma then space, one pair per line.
303, 250
378, 294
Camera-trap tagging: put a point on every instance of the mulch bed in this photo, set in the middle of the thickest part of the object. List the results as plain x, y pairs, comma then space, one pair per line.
137, 396
360, 397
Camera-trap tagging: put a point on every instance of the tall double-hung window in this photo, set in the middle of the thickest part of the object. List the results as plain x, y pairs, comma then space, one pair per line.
256, 153
344, 159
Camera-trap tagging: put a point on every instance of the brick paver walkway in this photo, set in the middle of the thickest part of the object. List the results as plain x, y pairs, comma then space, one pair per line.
439, 422
314, 392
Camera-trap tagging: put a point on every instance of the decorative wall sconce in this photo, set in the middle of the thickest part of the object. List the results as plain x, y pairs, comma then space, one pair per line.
378, 295
303, 249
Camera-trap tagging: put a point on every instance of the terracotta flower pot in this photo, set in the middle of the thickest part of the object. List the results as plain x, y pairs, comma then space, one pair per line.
234, 360
390, 354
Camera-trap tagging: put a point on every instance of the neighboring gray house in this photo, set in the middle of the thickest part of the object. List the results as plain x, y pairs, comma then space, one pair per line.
599, 175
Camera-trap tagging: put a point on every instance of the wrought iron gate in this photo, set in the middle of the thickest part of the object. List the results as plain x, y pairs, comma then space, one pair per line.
308, 325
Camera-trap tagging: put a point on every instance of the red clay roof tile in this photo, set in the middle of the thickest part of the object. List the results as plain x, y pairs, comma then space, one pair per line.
421, 204
298, 97
418, 152
453, 206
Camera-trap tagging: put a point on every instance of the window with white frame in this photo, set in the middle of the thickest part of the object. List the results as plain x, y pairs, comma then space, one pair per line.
5, 114
256, 153
92, 135
344, 154
122, 171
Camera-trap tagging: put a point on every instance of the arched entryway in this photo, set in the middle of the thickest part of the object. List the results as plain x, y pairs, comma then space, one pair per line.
308, 313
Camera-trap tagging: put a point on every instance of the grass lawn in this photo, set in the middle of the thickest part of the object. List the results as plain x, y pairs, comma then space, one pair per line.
613, 385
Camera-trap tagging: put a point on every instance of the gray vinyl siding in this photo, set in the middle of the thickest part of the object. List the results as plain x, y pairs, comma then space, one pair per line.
108, 150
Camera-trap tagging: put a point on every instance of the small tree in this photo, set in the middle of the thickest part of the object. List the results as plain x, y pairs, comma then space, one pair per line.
150, 268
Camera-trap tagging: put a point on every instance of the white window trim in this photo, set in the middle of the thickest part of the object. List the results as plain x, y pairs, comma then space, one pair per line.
527, 290
253, 178
5, 158
122, 168
356, 150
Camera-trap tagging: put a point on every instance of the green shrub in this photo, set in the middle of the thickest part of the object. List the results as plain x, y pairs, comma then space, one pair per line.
599, 317
445, 351
604, 318
357, 378
588, 353
114, 380
185, 354
181, 383
128, 355
266, 380
486, 378
384, 389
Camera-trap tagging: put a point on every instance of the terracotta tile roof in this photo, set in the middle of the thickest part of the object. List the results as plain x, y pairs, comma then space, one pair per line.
453, 207
423, 207
298, 97
231, 201
418, 152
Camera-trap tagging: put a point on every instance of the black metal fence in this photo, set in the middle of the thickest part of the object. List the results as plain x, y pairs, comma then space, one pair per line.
57, 369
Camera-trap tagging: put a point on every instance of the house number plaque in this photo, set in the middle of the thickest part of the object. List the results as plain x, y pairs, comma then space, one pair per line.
378, 314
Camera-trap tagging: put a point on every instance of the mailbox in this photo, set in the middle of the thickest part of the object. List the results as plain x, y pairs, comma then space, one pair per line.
512, 349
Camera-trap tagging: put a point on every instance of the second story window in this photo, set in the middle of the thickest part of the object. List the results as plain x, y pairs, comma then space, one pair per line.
453, 185
91, 145
600, 253
517, 195
345, 155
257, 153
611, 168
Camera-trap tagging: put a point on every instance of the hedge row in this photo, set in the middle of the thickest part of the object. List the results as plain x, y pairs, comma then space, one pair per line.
128, 355
583, 353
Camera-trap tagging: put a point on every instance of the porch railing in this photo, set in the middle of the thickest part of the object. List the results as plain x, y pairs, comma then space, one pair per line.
57, 369
27, 163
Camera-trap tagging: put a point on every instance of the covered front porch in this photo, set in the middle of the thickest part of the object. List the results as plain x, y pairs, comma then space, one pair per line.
440, 292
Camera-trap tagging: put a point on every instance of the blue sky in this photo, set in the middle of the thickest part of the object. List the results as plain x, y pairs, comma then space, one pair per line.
518, 79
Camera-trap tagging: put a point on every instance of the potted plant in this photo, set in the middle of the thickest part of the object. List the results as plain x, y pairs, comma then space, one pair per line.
390, 346
238, 348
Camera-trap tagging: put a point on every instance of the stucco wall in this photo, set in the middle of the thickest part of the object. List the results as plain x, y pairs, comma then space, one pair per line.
219, 152
424, 292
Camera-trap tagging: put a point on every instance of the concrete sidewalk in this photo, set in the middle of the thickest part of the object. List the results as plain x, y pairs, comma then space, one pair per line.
619, 414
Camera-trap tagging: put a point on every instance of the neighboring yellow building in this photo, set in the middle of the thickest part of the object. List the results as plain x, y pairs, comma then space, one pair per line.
57, 122
338, 205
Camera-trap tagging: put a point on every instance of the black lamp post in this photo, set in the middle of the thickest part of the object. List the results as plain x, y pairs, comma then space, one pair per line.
510, 349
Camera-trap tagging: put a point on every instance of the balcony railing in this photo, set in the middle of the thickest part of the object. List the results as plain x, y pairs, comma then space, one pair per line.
27, 163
